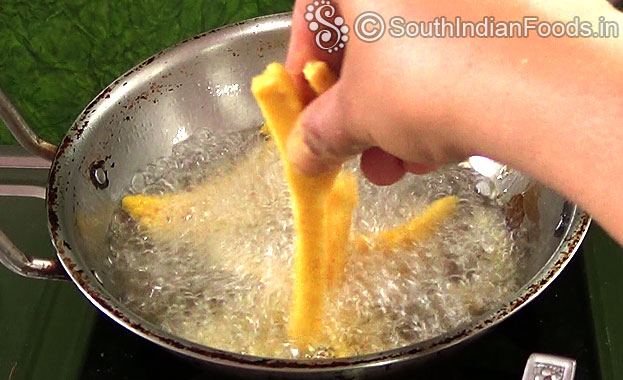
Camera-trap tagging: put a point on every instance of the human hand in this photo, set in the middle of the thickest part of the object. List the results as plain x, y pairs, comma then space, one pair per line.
411, 104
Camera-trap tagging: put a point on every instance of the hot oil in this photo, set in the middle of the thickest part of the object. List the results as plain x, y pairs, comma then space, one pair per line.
218, 272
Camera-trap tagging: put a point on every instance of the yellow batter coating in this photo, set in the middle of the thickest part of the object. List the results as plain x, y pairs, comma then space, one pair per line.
340, 205
417, 229
149, 210
319, 76
165, 213
281, 105
343, 196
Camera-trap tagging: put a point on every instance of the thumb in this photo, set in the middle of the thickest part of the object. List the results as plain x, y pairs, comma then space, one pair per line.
323, 138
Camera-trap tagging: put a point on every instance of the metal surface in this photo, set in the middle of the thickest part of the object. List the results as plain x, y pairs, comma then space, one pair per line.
549, 367
11, 256
15, 260
204, 83
22, 132
500, 182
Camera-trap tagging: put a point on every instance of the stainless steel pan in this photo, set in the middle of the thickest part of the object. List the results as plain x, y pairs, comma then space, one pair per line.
204, 81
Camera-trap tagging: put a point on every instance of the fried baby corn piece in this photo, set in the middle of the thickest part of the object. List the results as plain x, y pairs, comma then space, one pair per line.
417, 229
281, 105
164, 212
149, 210
340, 205
319, 76
343, 196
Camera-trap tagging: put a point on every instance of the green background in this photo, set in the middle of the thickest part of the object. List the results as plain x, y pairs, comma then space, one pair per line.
55, 56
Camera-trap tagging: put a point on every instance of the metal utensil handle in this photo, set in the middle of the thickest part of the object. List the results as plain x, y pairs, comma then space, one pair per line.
22, 132
13, 258
549, 367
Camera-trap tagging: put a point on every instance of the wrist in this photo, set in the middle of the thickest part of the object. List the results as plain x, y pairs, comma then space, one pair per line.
567, 130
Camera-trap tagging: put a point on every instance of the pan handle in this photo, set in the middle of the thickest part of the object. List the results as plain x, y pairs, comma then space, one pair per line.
543, 366
16, 261
22, 132
11, 256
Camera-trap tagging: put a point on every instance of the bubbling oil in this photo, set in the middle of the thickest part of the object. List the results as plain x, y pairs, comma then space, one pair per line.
221, 274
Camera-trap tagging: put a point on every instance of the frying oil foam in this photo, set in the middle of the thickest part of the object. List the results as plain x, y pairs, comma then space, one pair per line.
220, 272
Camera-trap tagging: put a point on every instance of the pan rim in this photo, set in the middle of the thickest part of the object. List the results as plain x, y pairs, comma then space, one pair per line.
87, 284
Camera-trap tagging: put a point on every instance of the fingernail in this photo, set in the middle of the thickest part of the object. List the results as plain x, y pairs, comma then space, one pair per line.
307, 155
314, 143
299, 152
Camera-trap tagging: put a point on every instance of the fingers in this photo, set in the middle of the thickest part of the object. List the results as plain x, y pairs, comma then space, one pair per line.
383, 169
416, 168
304, 159
326, 134
380, 167
324, 138
303, 49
